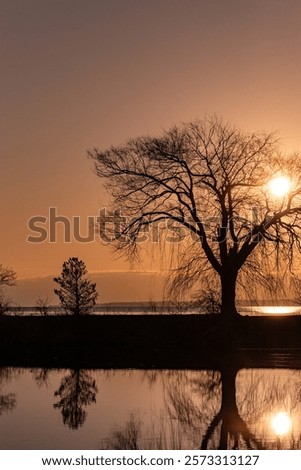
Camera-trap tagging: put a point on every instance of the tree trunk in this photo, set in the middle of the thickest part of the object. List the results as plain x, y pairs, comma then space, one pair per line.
228, 285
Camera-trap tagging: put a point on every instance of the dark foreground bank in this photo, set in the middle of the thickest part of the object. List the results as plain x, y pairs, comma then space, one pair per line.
174, 341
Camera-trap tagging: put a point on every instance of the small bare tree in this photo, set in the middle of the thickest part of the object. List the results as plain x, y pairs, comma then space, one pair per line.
42, 305
7, 278
217, 187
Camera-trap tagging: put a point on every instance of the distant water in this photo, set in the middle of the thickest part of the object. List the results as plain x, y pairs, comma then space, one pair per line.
255, 310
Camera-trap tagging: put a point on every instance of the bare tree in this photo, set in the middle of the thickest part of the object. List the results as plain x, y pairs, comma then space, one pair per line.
7, 278
77, 294
211, 183
42, 305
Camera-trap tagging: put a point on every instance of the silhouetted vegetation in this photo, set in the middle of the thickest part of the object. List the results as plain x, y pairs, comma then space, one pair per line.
42, 305
206, 185
77, 294
7, 278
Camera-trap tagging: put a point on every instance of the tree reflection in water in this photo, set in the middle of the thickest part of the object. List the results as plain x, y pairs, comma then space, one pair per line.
8, 401
77, 390
41, 376
230, 409
249, 401
234, 432
127, 438
215, 420
272, 405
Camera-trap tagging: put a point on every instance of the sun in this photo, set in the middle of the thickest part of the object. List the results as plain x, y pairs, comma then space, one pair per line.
281, 423
280, 186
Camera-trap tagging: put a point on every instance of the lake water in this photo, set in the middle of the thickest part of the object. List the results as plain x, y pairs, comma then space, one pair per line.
150, 409
138, 310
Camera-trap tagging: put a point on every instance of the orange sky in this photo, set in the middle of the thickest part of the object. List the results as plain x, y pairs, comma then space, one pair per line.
77, 74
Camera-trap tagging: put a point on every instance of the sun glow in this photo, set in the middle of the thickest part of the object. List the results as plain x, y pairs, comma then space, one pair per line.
280, 186
281, 423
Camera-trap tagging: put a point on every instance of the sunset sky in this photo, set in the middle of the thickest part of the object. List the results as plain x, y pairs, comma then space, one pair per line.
78, 74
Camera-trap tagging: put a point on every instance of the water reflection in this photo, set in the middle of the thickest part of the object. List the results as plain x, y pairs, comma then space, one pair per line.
281, 423
226, 409
271, 310
77, 390
126, 438
41, 376
234, 430
217, 410
8, 400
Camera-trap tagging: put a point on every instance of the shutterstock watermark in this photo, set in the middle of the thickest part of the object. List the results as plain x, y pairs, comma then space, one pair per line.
108, 226
50, 228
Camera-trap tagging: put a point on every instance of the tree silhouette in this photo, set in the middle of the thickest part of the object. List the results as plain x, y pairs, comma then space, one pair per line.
76, 391
7, 278
77, 294
42, 305
209, 183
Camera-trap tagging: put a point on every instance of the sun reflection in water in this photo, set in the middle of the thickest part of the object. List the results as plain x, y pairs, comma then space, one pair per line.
278, 310
281, 423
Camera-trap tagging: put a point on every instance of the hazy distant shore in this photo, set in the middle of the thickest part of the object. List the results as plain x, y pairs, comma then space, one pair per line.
262, 307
